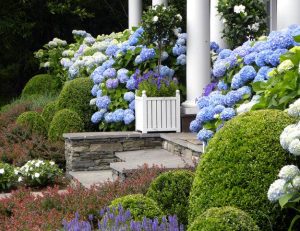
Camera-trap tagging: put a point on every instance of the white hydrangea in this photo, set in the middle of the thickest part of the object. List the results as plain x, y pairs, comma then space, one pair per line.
289, 172
239, 9
285, 66
296, 182
155, 19
254, 27
276, 190
68, 53
294, 109
290, 139
93, 101
2, 171
245, 107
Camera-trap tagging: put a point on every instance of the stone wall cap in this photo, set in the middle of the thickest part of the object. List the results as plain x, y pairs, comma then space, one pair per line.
106, 135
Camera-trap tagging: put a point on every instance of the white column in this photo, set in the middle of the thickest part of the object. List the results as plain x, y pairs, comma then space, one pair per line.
198, 52
159, 2
216, 25
273, 14
287, 13
135, 13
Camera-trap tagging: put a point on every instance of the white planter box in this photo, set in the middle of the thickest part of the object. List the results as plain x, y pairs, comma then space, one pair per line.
157, 114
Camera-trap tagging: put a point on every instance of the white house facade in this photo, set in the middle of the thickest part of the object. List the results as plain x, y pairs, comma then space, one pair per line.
203, 26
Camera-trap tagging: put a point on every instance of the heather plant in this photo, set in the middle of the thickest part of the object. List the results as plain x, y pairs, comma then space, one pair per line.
171, 191
118, 218
39, 172
8, 176
243, 20
240, 73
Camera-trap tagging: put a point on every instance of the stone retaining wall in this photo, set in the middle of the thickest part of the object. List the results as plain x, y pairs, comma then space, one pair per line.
95, 151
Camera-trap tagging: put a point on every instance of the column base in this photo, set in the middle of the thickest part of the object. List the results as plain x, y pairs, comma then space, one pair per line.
189, 107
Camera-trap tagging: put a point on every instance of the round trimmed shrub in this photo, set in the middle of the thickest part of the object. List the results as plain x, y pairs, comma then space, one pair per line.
171, 191
76, 96
240, 163
48, 113
41, 85
33, 121
224, 219
139, 206
64, 121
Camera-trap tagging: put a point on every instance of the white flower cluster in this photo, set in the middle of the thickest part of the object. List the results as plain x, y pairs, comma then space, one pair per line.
294, 109
246, 107
290, 139
239, 9
289, 182
254, 27
56, 42
35, 168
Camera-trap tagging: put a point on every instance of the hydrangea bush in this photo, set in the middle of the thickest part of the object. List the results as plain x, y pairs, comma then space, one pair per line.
121, 219
8, 176
129, 64
236, 71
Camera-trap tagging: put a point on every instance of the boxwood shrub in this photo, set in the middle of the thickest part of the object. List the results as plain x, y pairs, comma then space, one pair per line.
139, 206
33, 121
48, 113
76, 96
171, 191
42, 84
224, 219
64, 121
240, 163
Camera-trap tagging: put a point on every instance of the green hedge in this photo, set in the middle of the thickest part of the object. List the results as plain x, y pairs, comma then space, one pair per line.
240, 163
64, 121
43, 84
33, 121
224, 219
76, 96
171, 191
48, 113
139, 206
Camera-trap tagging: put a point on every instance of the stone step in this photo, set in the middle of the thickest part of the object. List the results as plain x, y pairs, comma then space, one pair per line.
89, 178
132, 160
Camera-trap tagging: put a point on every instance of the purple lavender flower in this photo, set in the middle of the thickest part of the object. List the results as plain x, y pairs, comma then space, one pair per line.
209, 88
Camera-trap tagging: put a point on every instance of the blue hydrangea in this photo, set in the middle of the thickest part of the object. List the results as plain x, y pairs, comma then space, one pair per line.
203, 102
164, 56
237, 81
216, 98
147, 54
222, 86
247, 73
179, 50
195, 126
218, 109
180, 41
166, 71
111, 50
231, 61
245, 90
110, 73
280, 39
97, 79
241, 51
94, 90
232, 98
259, 78
118, 115
98, 71
98, 116
227, 114
103, 102
131, 84
138, 59
129, 96
112, 83
261, 45
205, 114
224, 53
220, 68
128, 118
107, 64
108, 117
132, 105
99, 93
128, 111
250, 58
205, 135
181, 60
214, 46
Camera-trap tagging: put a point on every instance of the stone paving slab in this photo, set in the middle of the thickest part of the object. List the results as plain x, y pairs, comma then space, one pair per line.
6, 195
135, 159
89, 178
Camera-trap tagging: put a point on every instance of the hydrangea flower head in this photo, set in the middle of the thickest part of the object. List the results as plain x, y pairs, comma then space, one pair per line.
289, 172
276, 190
